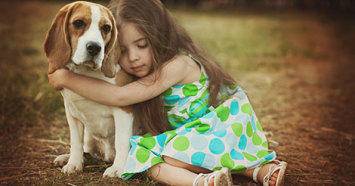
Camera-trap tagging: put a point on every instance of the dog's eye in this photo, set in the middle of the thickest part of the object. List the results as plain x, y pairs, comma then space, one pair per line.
79, 24
106, 29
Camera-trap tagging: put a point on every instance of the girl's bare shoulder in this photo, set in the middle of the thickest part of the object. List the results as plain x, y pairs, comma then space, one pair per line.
185, 67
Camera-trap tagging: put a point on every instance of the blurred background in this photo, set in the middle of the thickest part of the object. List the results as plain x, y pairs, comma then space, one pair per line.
294, 58
299, 4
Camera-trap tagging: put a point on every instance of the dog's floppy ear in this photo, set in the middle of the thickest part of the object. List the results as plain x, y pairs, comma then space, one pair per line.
112, 51
57, 45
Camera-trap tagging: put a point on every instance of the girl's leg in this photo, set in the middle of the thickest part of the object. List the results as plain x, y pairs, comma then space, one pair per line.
171, 175
175, 172
192, 168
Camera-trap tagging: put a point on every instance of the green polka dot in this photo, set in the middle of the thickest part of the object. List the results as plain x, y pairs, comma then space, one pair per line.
168, 108
262, 153
265, 144
257, 139
193, 123
217, 168
183, 111
249, 156
232, 87
142, 155
258, 126
202, 79
203, 128
190, 90
170, 132
171, 135
263, 163
226, 161
168, 92
181, 143
148, 142
156, 160
239, 168
223, 113
246, 108
249, 129
237, 129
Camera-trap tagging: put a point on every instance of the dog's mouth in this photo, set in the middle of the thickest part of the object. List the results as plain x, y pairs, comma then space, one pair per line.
90, 64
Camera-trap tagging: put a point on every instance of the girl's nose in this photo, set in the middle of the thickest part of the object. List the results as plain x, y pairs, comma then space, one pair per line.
133, 56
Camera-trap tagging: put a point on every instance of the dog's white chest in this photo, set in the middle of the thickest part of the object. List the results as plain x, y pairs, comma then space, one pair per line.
95, 117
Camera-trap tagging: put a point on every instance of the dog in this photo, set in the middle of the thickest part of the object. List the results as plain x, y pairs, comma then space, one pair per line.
83, 38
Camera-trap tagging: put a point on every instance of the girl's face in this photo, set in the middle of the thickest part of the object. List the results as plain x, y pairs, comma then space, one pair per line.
136, 55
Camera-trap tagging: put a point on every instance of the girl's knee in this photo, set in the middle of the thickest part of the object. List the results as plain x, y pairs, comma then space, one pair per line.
155, 171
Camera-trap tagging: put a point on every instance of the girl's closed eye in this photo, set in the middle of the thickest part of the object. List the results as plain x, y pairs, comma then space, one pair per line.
142, 44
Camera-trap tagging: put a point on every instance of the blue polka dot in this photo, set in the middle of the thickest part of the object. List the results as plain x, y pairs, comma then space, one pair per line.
209, 162
133, 148
236, 155
197, 158
182, 156
221, 126
241, 95
216, 146
220, 133
161, 138
183, 132
130, 165
242, 142
135, 137
231, 140
242, 118
183, 101
253, 124
269, 156
199, 142
234, 107
171, 100
251, 148
178, 86
209, 115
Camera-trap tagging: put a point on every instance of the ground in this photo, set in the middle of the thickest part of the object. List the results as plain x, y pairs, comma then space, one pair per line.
296, 67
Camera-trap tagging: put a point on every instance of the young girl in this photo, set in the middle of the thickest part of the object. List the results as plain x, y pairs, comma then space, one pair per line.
201, 126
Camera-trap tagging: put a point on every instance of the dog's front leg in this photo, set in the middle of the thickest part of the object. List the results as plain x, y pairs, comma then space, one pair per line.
123, 132
76, 159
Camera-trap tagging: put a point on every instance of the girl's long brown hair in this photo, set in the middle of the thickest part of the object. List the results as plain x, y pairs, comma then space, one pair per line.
166, 39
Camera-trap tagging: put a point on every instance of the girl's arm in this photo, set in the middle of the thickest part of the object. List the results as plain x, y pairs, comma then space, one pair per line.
146, 88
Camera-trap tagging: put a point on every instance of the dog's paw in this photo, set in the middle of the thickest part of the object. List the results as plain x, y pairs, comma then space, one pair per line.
72, 168
113, 171
61, 160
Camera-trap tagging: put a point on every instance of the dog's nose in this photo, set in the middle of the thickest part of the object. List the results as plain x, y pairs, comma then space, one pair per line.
93, 48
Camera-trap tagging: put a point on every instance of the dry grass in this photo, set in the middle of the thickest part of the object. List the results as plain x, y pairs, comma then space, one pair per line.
295, 66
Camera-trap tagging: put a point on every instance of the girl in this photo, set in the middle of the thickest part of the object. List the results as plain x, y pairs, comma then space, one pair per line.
201, 126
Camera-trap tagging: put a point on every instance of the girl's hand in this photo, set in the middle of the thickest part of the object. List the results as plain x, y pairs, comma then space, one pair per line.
57, 78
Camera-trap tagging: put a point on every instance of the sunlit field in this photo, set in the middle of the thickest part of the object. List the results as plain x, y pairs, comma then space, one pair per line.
296, 67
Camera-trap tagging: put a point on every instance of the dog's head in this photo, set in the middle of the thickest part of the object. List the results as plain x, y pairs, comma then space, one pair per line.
86, 34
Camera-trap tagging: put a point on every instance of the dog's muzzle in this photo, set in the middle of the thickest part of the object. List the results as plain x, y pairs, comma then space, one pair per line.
93, 48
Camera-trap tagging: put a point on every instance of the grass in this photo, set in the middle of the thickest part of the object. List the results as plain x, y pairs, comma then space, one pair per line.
295, 67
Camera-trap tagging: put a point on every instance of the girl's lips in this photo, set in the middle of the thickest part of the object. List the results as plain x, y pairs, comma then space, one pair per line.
138, 68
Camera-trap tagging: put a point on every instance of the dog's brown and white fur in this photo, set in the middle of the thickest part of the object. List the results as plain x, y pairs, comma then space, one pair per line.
83, 38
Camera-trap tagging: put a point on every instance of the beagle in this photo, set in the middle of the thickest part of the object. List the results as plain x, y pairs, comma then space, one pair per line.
83, 38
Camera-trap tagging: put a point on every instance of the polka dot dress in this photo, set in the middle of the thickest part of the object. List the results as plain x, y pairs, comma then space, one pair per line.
229, 135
